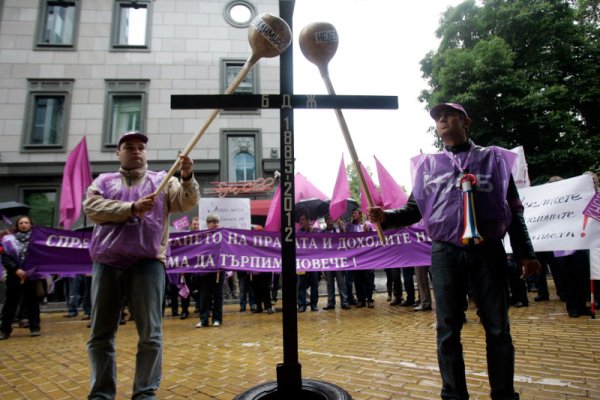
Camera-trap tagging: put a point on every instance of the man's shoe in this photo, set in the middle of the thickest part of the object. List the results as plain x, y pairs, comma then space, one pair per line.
407, 303
314, 308
201, 324
573, 313
86, 317
389, 298
396, 301
421, 307
360, 304
270, 310
4, 335
302, 309
346, 307
216, 323
34, 333
370, 304
328, 307
243, 309
184, 315
70, 315
541, 298
174, 314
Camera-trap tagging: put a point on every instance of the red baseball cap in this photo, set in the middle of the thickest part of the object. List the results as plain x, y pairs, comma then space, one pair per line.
132, 135
435, 111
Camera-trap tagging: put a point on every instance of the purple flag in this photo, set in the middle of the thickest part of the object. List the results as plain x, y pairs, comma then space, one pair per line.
341, 192
391, 193
76, 179
593, 208
303, 189
273, 222
377, 200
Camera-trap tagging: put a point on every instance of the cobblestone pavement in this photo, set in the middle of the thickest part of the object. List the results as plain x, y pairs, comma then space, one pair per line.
380, 353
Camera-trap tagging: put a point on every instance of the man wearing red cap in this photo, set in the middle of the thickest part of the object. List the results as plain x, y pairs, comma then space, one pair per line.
128, 248
461, 255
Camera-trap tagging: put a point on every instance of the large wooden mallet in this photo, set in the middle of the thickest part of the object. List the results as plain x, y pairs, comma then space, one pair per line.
269, 36
319, 42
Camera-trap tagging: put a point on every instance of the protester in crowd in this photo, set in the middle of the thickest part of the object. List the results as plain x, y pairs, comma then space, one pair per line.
77, 289
393, 284
21, 279
422, 275
260, 283
363, 279
307, 279
409, 287
334, 276
439, 201
517, 286
575, 269
595, 253
229, 285
246, 292
128, 249
210, 287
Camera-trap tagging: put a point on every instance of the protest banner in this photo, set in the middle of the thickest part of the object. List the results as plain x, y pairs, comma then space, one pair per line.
55, 251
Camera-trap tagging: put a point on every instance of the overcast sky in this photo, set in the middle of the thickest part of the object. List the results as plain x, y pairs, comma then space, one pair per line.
381, 43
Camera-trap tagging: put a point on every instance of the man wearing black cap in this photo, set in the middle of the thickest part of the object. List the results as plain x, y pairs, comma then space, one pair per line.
467, 244
128, 248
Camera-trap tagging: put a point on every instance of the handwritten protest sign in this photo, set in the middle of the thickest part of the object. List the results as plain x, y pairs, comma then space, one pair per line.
554, 215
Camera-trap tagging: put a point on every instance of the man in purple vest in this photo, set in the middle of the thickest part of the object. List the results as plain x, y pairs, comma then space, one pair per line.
437, 198
128, 248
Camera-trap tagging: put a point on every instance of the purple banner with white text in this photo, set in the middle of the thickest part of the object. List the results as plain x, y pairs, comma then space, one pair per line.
55, 251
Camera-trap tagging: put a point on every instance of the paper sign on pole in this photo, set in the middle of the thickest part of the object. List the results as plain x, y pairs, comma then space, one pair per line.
233, 212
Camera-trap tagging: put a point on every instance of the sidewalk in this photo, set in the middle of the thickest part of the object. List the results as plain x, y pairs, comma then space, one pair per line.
381, 353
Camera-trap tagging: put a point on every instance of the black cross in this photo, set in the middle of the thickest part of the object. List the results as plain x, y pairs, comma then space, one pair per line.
289, 378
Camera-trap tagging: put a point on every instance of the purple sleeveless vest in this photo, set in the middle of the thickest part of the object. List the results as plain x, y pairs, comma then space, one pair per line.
123, 244
439, 197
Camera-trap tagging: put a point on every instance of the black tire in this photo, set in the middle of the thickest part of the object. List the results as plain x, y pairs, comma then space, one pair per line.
311, 390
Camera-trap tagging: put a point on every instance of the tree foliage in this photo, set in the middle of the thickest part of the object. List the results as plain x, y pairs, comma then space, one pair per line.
527, 72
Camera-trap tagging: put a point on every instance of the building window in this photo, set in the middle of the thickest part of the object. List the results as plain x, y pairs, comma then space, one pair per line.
230, 69
131, 25
239, 13
43, 203
242, 157
57, 24
126, 109
47, 113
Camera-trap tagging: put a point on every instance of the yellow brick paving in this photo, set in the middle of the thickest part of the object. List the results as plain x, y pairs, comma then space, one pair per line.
381, 353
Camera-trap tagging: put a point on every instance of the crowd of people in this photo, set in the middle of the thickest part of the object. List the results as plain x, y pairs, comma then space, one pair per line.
128, 249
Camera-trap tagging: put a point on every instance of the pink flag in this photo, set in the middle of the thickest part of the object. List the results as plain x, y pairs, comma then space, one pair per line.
273, 222
303, 189
341, 193
377, 201
391, 193
77, 177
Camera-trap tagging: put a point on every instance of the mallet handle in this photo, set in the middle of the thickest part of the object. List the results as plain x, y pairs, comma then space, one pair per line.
351, 149
250, 62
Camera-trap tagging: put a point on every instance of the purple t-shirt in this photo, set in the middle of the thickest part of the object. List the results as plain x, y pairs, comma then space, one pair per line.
440, 198
123, 244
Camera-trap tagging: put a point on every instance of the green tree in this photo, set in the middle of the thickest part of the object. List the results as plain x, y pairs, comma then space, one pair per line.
354, 181
527, 73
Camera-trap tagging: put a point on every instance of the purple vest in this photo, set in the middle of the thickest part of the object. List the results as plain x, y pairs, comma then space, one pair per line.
122, 244
440, 199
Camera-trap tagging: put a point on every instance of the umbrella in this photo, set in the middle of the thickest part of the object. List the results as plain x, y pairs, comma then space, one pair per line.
313, 208
13, 208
